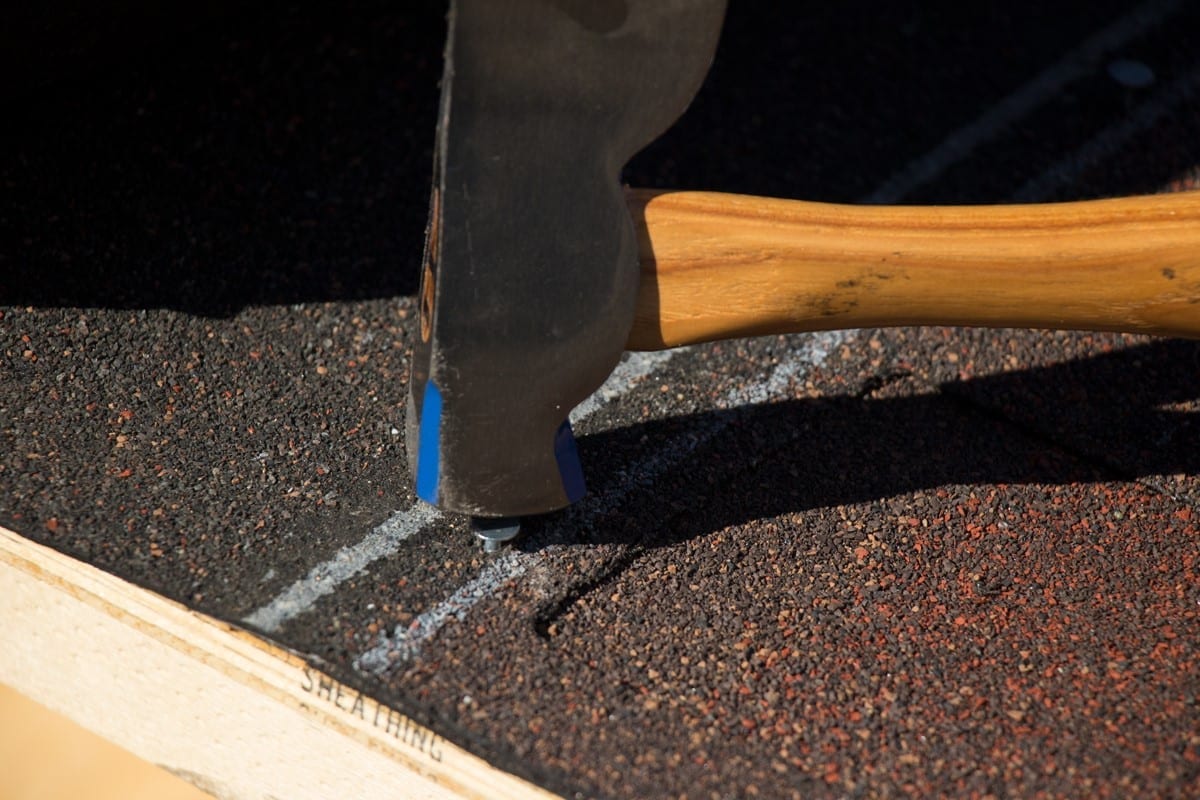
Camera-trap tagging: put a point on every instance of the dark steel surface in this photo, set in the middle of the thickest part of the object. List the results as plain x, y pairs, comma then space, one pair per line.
532, 273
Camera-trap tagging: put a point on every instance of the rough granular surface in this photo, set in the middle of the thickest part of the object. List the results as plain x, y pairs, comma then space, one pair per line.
859, 647
980, 614
909, 562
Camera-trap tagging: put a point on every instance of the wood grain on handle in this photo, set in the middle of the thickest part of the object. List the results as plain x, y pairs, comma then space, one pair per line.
720, 266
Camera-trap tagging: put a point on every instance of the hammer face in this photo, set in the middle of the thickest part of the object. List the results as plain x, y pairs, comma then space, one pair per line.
531, 270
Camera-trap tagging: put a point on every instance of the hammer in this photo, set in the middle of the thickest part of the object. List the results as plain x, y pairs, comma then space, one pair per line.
540, 269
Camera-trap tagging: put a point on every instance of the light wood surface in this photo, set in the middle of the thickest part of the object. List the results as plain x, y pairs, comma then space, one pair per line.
45, 756
229, 712
717, 266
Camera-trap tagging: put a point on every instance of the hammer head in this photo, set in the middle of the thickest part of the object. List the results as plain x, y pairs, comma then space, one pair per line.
530, 273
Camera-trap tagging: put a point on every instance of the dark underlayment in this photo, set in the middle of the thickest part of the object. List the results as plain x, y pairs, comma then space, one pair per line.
865, 563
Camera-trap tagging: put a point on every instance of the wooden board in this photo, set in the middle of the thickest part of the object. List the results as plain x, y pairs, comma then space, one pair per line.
44, 756
233, 714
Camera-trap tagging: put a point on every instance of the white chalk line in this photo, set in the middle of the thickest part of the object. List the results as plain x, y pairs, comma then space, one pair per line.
1105, 144
406, 641
627, 374
1081, 61
385, 539
324, 578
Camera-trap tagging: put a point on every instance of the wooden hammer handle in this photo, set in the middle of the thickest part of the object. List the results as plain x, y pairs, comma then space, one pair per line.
720, 266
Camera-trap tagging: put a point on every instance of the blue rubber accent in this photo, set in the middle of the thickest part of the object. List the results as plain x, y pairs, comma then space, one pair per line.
569, 467
429, 455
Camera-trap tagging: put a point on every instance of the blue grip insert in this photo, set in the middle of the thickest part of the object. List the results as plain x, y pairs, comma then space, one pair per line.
428, 470
569, 467
429, 444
